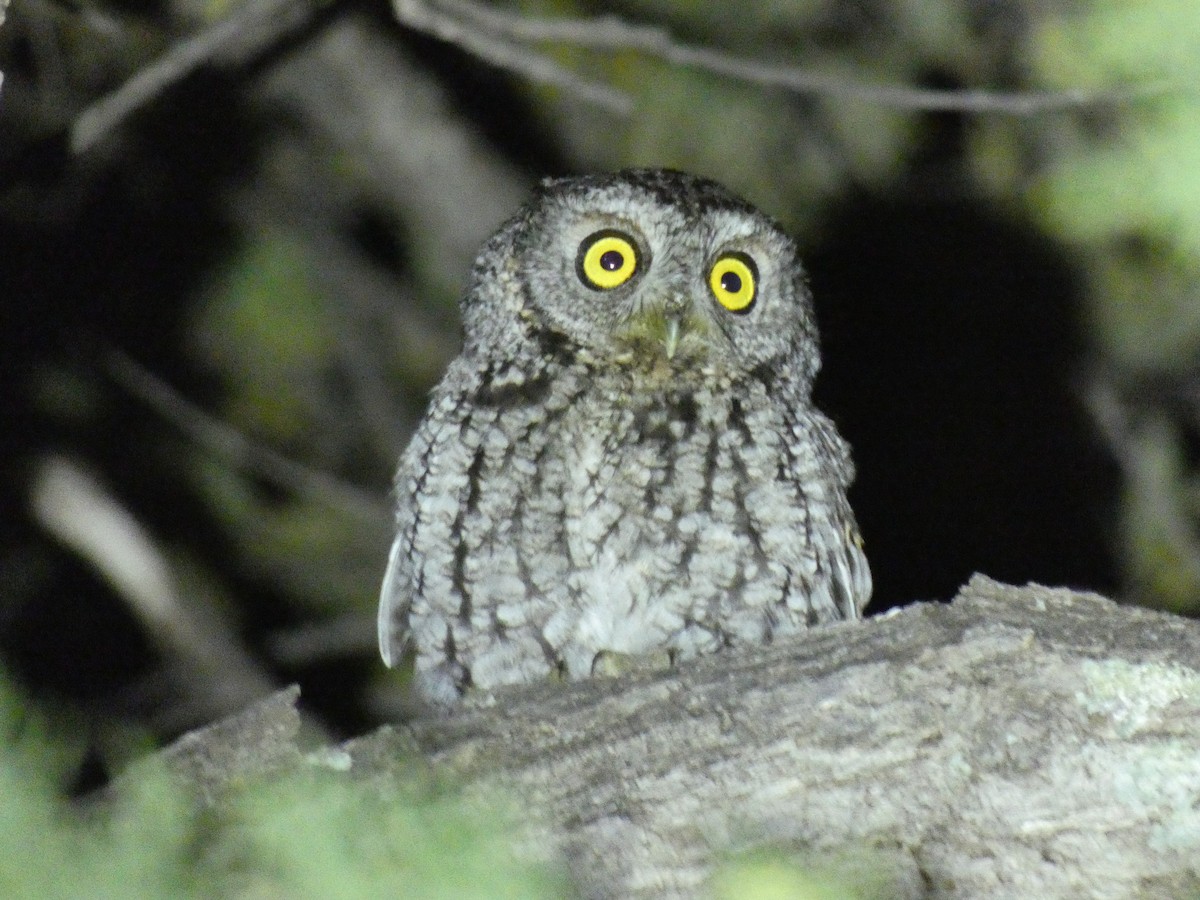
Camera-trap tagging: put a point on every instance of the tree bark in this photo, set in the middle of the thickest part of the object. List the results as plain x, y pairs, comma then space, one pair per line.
1017, 742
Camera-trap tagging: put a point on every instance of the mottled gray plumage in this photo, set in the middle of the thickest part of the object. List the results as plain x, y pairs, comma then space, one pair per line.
630, 470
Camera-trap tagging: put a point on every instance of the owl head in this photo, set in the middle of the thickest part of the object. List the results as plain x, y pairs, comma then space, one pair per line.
657, 272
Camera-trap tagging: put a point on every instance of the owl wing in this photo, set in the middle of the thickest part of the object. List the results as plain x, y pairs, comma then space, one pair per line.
851, 583
850, 563
395, 600
435, 453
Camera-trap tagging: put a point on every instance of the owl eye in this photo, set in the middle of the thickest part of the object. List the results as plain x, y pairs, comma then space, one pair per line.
607, 259
733, 280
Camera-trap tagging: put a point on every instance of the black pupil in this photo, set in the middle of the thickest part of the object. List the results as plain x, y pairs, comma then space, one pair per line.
731, 282
611, 260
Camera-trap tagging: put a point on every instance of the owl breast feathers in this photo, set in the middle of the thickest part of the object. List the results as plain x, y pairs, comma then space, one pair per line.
624, 460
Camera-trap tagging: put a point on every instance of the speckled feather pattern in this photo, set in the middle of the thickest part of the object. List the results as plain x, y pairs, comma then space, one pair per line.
575, 491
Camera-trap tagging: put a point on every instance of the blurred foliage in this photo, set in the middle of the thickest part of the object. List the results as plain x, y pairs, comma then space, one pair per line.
768, 879
266, 328
1119, 186
310, 833
776, 874
1160, 505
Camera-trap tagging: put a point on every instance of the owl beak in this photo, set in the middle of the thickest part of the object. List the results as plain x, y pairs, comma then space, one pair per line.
658, 331
671, 337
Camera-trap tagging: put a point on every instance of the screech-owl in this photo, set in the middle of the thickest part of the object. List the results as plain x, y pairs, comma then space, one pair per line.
624, 460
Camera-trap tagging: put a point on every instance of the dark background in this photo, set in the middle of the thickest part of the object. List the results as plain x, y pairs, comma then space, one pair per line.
954, 332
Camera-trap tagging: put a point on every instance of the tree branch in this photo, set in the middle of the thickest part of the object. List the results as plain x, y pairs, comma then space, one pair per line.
1027, 742
82, 514
239, 450
503, 38
249, 30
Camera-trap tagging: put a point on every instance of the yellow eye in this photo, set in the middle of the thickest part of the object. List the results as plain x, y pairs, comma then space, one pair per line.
607, 259
733, 280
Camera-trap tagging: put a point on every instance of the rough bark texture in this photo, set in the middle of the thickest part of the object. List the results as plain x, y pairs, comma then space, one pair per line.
1018, 742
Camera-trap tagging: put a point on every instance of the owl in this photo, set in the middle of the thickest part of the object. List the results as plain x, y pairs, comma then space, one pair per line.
624, 461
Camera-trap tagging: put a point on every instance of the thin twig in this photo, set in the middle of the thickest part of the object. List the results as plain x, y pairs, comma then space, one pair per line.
80, 512
1145, 454
503, 39
501, 46
3, 11
503, 36
226, 441
250, 29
